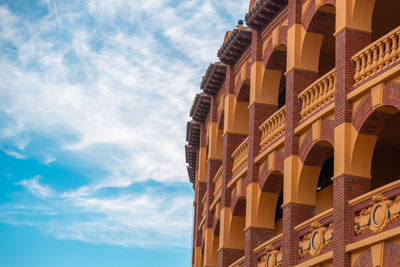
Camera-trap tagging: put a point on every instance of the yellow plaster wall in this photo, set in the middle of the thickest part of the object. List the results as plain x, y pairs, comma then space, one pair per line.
303, 48
278, 227
210, 249
260, 207
354, 14
236, 119
215, 142
202, 173
324, 199
300, 182
231, 230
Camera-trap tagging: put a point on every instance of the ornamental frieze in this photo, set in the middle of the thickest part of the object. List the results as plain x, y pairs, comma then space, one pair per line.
316, 240
273, 258
382, 212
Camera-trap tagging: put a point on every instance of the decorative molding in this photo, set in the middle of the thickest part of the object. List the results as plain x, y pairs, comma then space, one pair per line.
273, 257
382, 212
315, 241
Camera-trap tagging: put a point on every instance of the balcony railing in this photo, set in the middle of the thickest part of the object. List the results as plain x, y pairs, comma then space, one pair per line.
377, 56
218, 182
315, 235
317, 94
270, 252
240, 156
273, 127
376, 211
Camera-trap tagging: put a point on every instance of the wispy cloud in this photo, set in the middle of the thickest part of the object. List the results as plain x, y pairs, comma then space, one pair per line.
37, 189
109, 84
14, 154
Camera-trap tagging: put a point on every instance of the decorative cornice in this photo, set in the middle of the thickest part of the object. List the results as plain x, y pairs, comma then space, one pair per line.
191, 159
214, 78
235, 45
201, 107
263, 13
193, 133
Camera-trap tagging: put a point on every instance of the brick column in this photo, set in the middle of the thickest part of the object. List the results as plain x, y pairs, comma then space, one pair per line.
296, 81
194, 232
226, 256
213, 166
293, 214
201, 189
345, 187
254, 237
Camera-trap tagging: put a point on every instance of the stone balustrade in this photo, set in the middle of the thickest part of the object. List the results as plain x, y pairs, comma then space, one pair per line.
376, 211
377, 56
317, 94
273, 127
218, 182
240, 156
315, 235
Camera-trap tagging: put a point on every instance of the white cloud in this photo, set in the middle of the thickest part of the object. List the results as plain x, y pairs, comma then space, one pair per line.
110, 84
37, 189
48, 159
14, 154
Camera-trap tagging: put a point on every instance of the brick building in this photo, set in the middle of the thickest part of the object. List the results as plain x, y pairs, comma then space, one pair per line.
294, 144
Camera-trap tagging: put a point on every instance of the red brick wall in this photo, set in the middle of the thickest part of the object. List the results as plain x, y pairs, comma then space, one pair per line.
345, 188
253, 238
296, 82
293, 214
348, 42
228, 256
213, 166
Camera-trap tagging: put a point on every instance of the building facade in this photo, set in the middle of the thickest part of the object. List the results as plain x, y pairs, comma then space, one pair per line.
294, 144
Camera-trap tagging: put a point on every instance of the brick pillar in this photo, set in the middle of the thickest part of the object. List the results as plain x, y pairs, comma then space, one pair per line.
345, 188
254, 237
201, 187
227, 256
194, 231
293, 214
197, 236
348, 42
213, 166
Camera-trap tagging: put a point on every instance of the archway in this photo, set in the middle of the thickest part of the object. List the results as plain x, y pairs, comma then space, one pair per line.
318, 47
274, 80
315, 186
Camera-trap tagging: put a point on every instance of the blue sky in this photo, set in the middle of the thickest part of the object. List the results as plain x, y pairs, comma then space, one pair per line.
94, 99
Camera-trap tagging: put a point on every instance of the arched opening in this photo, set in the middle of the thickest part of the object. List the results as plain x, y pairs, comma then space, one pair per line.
241, 111
274, 80
236, 233
318, 46
325, 186
315, 186
385, 165
279, 213
385, 17
271, 200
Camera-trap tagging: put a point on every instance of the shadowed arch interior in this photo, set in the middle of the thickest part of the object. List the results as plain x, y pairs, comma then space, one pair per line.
315, 184
274, 80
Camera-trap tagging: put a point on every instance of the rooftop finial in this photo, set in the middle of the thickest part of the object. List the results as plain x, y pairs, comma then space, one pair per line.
240, 24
